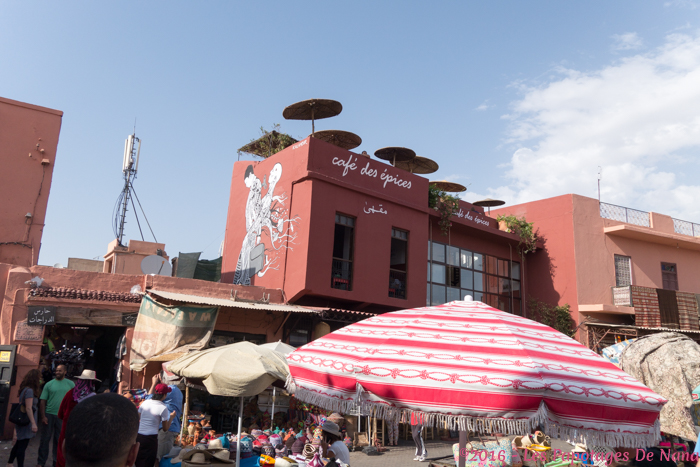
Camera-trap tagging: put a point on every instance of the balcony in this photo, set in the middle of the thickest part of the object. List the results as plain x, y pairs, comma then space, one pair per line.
341, 274
397, 284
622, 296
686, 228
623, 214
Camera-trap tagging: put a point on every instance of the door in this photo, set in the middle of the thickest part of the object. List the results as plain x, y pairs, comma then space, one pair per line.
7, 377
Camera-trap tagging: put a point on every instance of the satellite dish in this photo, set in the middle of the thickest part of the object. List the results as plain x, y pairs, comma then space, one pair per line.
157, 265
58, 266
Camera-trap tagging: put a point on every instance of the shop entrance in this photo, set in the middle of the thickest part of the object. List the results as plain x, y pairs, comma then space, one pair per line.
85, 347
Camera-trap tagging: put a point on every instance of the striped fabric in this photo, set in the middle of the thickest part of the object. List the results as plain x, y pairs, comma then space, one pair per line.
476, 368
646, 307
687, 310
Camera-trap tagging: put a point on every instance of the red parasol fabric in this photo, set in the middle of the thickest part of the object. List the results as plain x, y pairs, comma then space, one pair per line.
478, 369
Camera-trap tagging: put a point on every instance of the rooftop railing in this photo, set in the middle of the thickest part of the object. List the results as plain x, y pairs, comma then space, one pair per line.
686, 228
623, 214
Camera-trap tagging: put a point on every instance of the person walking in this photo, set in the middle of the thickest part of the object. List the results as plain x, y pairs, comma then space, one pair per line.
28, 392
421, 452
153, 413
50, 401
173, 401
84, 388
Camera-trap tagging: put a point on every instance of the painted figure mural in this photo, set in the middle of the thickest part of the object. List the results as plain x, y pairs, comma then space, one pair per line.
265, 216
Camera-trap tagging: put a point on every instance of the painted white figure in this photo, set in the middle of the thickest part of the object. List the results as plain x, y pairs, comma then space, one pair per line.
263, 212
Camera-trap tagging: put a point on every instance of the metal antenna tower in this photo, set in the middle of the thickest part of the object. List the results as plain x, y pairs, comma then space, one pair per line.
130, 165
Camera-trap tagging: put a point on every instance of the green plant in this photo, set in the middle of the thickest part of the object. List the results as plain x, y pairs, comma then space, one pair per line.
269, 143
556, 317
446, 205
524, 229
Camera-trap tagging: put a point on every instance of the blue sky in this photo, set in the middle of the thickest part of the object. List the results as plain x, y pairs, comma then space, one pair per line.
518, 100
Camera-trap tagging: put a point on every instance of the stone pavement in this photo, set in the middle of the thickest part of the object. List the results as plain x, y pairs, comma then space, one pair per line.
403, 454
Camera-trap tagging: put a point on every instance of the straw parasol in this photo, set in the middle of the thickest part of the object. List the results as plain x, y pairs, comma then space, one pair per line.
489, 203
450, 187
395, 154
313, 109
342, 139
418, 165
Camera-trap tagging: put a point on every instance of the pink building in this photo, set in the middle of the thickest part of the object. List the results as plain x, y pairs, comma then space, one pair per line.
624, 272
28, 142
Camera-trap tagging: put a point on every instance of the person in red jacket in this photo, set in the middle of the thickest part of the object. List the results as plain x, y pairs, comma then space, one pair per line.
84, 388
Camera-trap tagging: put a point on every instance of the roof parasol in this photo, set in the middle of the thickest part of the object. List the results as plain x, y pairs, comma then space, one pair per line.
313, 109
419, 165
450, 187
342, 139
488, 202
395, 154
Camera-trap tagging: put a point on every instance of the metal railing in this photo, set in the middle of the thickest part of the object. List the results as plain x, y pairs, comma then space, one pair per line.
341, 274
623, 214
686, 228
397, 284
622, 296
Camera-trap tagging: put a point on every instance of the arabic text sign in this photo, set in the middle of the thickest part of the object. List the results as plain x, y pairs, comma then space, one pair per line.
25, 332
41, 315
373, 210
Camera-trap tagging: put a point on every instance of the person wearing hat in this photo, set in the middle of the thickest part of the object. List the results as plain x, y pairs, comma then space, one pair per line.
153, 413
332, 444
173, 401
84, 387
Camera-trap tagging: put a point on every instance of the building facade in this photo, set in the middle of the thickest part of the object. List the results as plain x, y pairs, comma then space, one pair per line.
338, 230
28, 143
624, 272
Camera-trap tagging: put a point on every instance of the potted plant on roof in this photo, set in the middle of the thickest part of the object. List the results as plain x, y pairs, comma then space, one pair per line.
521, 227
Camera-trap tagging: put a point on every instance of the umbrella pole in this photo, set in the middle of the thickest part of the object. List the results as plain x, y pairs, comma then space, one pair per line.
185, 413
313, 127
238, 438
462, 457
272, 418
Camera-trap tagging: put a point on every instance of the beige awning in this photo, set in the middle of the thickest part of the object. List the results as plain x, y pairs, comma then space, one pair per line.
211, 301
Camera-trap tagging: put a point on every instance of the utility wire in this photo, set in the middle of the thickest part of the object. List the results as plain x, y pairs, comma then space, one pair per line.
137, 219
144, 213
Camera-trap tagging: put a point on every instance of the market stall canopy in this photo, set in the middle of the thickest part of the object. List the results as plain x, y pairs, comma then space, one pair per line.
279, 346
313, 109
478, 369
669, 363
238, 370
202, 300
395, 154
418, 165
342, 139
450, 187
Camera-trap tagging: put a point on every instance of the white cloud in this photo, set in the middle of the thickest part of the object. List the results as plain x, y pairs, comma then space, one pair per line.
639, 119
484, 106
626, 41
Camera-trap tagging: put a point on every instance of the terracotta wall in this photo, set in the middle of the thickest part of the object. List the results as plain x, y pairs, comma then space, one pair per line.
28, 143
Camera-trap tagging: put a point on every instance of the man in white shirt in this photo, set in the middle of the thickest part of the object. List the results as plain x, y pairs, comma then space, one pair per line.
153, 412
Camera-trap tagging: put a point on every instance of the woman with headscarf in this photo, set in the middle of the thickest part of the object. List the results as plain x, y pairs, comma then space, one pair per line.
84, 388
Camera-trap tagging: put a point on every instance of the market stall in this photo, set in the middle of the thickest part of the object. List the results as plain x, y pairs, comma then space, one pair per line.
473, 368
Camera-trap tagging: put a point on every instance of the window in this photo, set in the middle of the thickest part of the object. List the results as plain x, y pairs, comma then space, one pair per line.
398, 264
454, 273
299, 337
343, 241
669, 276
623, 271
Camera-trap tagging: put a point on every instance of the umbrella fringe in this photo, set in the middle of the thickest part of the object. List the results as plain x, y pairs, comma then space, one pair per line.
541, 418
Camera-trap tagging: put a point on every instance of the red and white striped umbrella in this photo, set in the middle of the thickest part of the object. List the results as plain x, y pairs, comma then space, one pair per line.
478, 369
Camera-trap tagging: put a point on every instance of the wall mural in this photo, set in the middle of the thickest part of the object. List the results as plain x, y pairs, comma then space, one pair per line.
269, 229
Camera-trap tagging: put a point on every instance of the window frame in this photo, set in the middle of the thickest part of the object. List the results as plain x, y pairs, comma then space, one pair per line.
337, 279
400, 294
617, 274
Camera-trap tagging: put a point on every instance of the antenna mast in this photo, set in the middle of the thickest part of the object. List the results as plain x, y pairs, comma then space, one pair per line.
600, 176
130, 165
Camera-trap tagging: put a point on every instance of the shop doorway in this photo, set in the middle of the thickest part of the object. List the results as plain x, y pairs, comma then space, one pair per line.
86, 347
